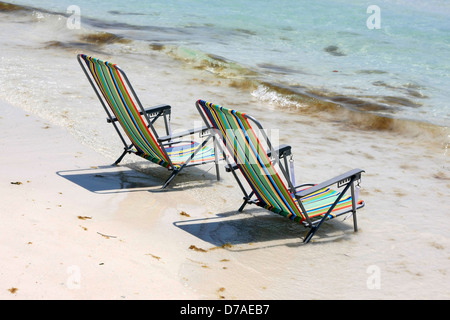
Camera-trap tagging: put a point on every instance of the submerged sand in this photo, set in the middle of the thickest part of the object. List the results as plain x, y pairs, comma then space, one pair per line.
74, 227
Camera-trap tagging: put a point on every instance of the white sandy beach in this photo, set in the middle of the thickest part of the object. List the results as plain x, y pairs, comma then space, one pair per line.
47, 244
67, 234
54, 239
73, 227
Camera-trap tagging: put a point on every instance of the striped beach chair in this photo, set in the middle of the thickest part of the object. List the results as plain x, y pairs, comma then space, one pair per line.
122, 106
308, 204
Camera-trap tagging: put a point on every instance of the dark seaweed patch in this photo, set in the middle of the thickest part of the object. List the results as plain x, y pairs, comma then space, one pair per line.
118, 13
245, 31
371, 72
353, 112
374, 122
400, 101
9, 7
209, 63
411, 89
416, 94
328, 101
67, 45
157, 46
243, 84
334, 51
276, 69
299, 94
73, 46
283, 89
360, 104
215, 57
102, 38
222, 66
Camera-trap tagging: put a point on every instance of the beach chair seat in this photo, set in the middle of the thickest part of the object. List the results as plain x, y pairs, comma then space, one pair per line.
308, 204
180, 154
318, 204
136, 125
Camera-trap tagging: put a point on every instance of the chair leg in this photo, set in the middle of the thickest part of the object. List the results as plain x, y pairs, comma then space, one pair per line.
246, 200
121, 157
310, 234
325, 216
172, 176
216, 158
217, 172
243, 205
355, 222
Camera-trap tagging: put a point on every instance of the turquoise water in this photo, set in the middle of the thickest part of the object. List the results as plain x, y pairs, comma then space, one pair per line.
322, 48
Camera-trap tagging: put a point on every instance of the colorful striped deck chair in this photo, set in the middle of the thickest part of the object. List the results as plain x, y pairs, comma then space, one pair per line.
122, 105
309, 204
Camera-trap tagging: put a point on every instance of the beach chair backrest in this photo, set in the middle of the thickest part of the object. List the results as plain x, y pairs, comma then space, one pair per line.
113, 88
251, 158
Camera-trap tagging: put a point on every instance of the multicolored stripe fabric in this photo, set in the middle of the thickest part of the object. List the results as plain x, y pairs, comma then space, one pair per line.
179, 154
251, 158
318, 203
115, 92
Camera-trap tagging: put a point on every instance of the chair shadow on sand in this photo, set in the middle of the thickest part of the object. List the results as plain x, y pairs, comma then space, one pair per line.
255, 229
131, 178
249, 230
108, 179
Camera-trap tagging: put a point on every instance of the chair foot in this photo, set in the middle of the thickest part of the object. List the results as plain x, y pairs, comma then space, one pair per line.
217, 172
120, 158
172, 176
310, 234
355, 222
242, 207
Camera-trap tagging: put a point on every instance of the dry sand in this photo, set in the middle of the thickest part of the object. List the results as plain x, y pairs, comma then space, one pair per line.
64, 240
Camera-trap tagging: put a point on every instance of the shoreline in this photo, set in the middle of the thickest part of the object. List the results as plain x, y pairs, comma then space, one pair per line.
364, 112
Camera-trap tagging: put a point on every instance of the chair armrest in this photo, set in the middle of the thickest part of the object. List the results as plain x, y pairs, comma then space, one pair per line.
340, 180
182, 134
282, 151
148, 110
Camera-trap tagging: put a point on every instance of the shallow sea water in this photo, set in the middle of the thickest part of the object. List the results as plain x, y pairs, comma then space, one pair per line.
292, 50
